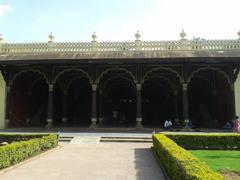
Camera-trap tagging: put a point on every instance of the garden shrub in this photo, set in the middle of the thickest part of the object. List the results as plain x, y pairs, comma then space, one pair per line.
13, 153
18, 137
179, 163
207, 141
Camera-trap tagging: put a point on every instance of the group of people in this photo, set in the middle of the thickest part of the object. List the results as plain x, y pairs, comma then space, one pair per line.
169, 125
234, 125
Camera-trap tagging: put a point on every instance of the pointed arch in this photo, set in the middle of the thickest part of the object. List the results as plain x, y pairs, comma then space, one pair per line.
209, 68
161, 68
72, 70
29, 70
115, 69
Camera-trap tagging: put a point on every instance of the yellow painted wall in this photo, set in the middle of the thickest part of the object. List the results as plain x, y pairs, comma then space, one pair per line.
237, 95
2, 101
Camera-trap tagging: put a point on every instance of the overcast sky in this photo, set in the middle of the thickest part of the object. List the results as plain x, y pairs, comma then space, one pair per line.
118, 20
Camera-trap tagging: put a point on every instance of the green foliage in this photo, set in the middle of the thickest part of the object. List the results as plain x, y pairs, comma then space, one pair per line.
179, 163
220, 160
13, 153
207, 141
18, 137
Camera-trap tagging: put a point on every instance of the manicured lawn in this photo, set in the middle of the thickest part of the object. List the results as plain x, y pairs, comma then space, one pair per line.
220, 160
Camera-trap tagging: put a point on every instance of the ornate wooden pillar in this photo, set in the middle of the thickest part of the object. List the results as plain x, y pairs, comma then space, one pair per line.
139, 106
215, 106
233, 102
50, 106
100, 110
7, 109
94, 106
237, 94
185, 102
175, 101
64, 107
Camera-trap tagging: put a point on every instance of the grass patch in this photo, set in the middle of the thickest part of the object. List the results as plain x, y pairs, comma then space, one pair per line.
220, 160
181, 164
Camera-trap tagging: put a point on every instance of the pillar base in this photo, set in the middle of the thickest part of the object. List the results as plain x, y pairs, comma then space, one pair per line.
6, 123
186, 127
93, 124
101, 121
186, 121
28, 121
64, 120
139, 123
49, 123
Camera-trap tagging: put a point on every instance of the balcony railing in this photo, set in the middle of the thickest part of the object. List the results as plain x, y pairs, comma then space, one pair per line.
137, 45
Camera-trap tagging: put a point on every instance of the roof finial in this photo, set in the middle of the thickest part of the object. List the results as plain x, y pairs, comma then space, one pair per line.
1, 38
183, 34
51, 38
94, 36
137, 36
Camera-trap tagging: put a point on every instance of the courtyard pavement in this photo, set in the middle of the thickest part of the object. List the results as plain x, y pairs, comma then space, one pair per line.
87, 159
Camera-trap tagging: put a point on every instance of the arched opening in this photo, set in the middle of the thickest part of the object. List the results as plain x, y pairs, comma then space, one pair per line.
79, 102
160, 96
72, 99
28, 101
210, 99
119, 103
117, 100
157, 102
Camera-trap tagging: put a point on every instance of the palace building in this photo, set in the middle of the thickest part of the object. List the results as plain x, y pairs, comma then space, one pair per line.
119, 84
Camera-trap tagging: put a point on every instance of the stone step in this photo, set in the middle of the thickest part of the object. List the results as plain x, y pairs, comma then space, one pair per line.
93, 139
65, 139
122, 137
126, 139
85, 140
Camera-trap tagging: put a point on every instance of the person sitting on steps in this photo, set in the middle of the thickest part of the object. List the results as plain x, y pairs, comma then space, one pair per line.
168, 124
227, 125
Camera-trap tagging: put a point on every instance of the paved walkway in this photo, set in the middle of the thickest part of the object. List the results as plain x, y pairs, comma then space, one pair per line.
90, 161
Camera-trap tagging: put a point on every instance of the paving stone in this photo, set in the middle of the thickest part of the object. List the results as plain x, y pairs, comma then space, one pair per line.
90, 161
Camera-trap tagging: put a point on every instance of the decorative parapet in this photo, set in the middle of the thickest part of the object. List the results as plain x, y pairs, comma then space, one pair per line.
94, 46
1, 38
138, 42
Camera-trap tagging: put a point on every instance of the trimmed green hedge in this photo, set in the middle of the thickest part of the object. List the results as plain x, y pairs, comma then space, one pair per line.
179, 163
19, 137
207, 141
13, 153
